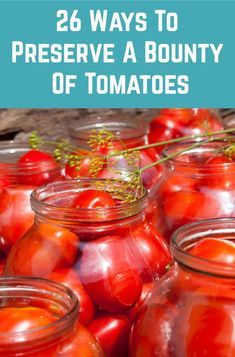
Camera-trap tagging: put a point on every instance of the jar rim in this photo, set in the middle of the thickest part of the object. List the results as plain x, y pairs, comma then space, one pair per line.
42, 285
187, 235
203, 148
69, 214
81, 128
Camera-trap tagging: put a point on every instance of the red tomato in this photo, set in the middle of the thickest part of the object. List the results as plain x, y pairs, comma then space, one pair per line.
45, 248
16, 215
36, 166
175, 182
110, 148
151, 333
109, 275
204, 327
81, 171
93, 199
218, 250
112, 332
163, 129
71, 279
138, 306
179, 115
20, 319
153, 250
184, 206
81, 344
220, 173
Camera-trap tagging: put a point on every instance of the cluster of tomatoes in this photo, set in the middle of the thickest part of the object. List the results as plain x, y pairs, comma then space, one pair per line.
110, 260
110, 265
176, 123
17, 181
193, 307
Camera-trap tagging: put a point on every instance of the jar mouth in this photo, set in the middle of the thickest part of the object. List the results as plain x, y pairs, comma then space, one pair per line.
185, 237
193, 161
11, 151
122, 128
23, 292
54, 201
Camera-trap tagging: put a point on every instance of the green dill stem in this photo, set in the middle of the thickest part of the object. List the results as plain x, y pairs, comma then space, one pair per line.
173, 141
169, 157
181, 152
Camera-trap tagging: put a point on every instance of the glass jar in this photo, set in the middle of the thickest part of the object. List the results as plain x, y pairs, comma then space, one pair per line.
172, 123
132, 132
17, 181
39, 318
191, 311
108, 256
197, 184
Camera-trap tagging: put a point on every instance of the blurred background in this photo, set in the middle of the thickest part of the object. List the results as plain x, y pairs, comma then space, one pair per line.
18, 123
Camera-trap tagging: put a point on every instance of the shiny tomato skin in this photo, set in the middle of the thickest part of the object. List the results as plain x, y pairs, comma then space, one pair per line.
16, 215
184, 206
41, 174
112, 331
81, 171
21, 319
204, 326
172, 183
219, 174
107, 270
45, 248
214, 249
153, 250
93, 199
71, 279
81, 344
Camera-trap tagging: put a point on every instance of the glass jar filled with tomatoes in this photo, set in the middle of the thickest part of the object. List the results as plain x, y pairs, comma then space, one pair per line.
101, 248
39, 317
191, 311
172, 123
128, 133
21, 171
197, 184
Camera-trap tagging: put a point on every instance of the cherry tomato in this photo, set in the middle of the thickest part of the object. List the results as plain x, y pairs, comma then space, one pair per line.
93, 199
71, 279
109, 275
218, 250
184, 206
81, 344
20, 319
16, 215
175, 182
45, 248
204, 326
40, 174
112, 332
220, 177
154, 252
83, 169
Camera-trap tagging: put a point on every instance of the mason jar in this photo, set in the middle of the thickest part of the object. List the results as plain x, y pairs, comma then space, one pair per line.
109, 256
129, 133
197, 184
172, 123
38, 318
17, 181
191, 310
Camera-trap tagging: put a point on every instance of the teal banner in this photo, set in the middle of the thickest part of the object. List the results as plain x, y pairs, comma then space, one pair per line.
99, 54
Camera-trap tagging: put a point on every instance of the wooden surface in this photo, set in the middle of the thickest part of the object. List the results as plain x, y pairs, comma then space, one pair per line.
18, 123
